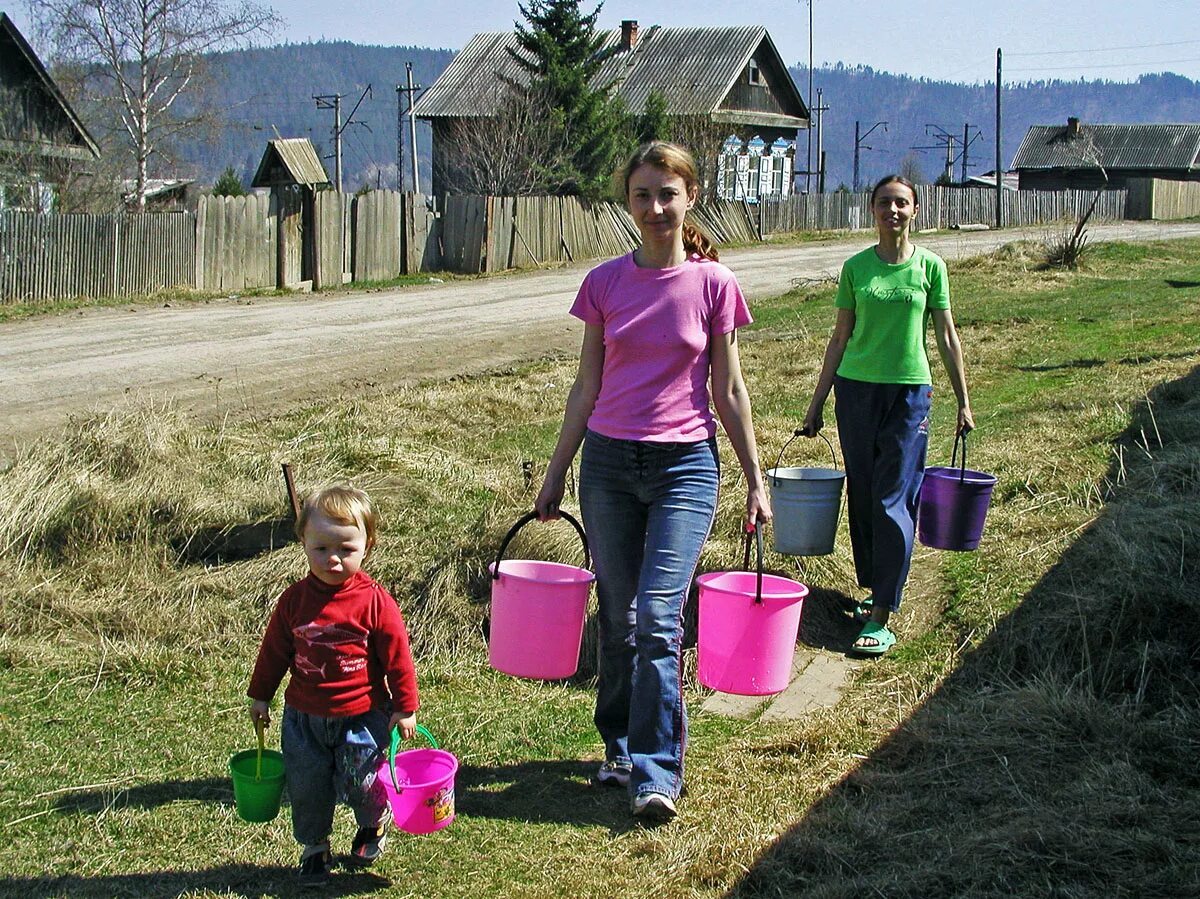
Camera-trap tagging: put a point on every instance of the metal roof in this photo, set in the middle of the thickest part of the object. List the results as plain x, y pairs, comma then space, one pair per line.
297, 156
1112, 146
85, 146
693, 68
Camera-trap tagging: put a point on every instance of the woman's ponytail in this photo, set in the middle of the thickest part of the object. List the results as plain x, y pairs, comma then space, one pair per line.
695, 241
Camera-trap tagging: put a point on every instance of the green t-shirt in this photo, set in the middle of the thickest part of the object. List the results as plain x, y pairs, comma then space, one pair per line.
891, 305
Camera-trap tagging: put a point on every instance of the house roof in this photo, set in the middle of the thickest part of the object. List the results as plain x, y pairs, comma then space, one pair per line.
298, 160
1112, 146
693, 68
82, 146
156, 187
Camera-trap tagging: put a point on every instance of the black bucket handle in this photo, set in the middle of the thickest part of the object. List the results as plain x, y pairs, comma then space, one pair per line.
962, 470
758, 540
532, 516
799, 432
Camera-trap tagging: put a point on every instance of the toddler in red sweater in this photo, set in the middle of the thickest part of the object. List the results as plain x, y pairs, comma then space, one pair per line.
341, 636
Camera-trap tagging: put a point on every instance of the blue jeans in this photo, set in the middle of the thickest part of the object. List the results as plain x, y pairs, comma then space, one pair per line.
648, 508
884, 431
327, 759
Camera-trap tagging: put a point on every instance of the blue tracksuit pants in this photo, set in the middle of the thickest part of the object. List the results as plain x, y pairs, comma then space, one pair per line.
884, 431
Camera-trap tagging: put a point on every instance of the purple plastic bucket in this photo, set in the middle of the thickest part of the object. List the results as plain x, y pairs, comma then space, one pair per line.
954, 505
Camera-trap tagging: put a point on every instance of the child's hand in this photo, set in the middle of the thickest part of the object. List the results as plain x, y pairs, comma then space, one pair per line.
260, 711
407, 722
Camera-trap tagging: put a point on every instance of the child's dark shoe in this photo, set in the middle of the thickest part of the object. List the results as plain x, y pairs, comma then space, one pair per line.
368, 844
314, 866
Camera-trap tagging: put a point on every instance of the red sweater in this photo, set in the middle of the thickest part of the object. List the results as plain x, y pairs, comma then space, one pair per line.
346, 647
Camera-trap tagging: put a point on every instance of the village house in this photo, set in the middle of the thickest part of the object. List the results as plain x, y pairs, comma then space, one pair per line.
1057, 157
43, 143
730, 80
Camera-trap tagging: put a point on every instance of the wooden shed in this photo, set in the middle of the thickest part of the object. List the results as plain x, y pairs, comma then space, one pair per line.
292, 170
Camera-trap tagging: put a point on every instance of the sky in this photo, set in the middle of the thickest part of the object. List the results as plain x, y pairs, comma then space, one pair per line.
950, 40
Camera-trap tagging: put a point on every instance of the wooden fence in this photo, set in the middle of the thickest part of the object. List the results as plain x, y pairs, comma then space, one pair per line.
44, 256
1153, 198
941, 207
294, 238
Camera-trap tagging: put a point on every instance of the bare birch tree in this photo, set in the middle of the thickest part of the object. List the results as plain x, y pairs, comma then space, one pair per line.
140, 58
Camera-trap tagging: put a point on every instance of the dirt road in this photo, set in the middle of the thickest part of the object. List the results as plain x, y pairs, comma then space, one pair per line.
265, 353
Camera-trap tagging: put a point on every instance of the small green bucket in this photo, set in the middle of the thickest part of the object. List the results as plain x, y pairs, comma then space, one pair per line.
257, 782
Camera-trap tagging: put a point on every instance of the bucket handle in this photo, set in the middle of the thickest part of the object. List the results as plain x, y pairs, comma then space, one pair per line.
423, 731
259, 730
962, 471
799, 432
758, 541
532, 516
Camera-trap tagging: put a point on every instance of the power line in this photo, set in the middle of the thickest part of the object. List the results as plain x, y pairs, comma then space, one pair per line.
1103, 49
1114, 65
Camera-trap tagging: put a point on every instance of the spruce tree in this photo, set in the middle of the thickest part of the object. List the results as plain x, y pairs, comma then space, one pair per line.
562, 52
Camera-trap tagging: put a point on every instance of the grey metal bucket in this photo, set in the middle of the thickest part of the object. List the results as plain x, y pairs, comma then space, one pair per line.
806, 503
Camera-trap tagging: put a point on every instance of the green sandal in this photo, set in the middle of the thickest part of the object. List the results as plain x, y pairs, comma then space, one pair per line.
884, 640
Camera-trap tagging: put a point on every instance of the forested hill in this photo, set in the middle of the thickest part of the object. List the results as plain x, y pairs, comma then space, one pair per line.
269, 90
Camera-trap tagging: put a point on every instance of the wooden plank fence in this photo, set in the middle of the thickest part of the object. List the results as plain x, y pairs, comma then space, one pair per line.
1157, 199
52, 256
287, 238
941, 207
236, 242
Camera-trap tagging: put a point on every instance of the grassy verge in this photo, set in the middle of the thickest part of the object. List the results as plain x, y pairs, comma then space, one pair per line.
1024, 741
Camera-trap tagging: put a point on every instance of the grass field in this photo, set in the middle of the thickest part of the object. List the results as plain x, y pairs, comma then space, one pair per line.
1034, 733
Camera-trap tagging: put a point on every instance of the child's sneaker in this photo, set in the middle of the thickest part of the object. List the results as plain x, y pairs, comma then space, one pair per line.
614, 774
314, 865
656, 807
368, 844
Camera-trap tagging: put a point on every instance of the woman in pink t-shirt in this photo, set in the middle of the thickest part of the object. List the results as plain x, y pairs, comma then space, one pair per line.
659, 324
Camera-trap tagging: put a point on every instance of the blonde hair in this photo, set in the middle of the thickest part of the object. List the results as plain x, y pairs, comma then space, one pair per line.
341, 503
678, 161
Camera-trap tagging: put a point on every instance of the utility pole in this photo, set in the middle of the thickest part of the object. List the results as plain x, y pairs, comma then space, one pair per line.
412, 125
967, 140
858, 142
999, 164
819, 109
808, 175
334, 102
410, 92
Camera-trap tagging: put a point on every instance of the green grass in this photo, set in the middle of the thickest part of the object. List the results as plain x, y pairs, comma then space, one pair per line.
1024, 738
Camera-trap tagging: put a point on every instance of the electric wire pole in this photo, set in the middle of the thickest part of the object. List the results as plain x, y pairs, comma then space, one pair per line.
999, 164
408, 93
858, 142
334, 102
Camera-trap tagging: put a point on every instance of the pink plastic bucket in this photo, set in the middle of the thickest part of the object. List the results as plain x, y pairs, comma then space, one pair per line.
748, 627
538, 612
954, 504
419, 784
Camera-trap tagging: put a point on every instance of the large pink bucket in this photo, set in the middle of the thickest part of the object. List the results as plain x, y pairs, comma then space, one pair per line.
749, 622
954, 504
538, 612
420, 785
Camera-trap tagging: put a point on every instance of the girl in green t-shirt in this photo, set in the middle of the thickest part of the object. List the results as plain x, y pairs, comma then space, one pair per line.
877, 365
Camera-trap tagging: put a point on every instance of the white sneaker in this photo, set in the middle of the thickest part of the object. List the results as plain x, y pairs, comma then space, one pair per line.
654, 807
614, 774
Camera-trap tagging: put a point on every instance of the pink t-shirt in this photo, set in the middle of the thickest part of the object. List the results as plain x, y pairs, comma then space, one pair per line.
658, 323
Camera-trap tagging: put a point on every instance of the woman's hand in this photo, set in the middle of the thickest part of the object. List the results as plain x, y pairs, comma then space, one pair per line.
966, 421
758, 507
812, 424
549, 498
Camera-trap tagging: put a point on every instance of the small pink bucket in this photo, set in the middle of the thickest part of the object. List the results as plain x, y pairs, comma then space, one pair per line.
419, 784
538, 612
748, 627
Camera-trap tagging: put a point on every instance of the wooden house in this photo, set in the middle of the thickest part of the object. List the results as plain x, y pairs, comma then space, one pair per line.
731, 77
42, 141
1056, 157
